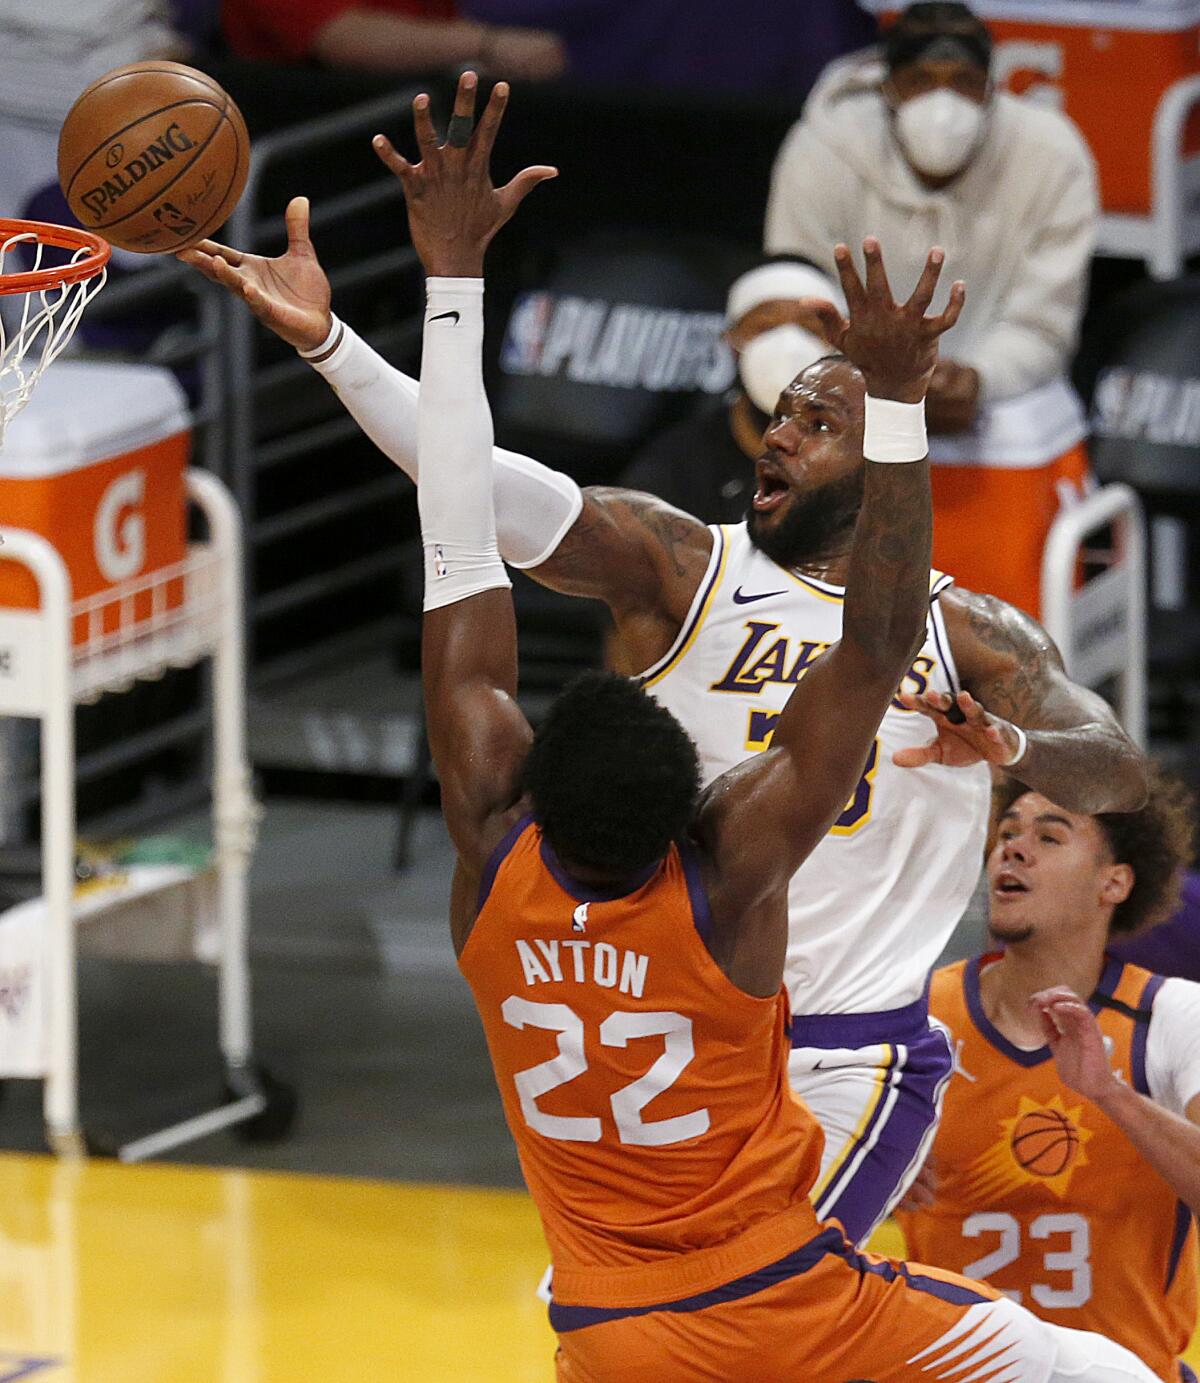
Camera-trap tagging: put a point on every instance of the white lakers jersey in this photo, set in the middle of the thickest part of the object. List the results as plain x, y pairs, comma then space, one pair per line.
874, 904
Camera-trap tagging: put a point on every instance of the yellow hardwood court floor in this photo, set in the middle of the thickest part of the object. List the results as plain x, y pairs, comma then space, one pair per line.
162, 1274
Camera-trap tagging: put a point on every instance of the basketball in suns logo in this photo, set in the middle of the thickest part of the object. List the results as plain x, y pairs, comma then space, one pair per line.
1041, 1145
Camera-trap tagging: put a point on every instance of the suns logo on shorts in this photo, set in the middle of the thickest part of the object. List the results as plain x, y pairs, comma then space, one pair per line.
1042, 1144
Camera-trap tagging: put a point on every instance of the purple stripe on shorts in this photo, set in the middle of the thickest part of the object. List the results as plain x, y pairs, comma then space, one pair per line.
861, 1201
1183, 1225
853, 1030
955, 1292
825, 1206
564, 1318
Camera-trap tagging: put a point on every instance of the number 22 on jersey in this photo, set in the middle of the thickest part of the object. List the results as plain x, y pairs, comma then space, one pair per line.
627, 1104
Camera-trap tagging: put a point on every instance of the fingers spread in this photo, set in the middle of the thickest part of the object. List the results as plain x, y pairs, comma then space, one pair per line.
852, 287
296, 220
877, 279
833, 325
489, 122
958, 296
427, 139
515, 192
389, 157
927, 283
210, 247
197, 259
464, 97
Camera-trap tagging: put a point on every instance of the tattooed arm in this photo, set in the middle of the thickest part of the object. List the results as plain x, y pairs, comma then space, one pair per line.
640, 556
1077, 755
759, 821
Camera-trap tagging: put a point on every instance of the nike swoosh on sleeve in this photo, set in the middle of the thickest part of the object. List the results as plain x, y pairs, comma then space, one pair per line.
442, 316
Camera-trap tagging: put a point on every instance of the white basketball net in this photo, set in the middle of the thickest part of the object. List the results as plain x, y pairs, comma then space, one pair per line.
35, 327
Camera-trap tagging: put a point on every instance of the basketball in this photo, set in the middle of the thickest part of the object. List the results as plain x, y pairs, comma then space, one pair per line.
1044, 1142
153, 156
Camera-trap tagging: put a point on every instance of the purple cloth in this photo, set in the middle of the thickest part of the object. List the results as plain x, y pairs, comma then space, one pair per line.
1173, 948
766, 48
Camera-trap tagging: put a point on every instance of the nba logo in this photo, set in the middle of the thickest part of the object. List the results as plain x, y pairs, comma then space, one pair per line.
525, 337
579, 918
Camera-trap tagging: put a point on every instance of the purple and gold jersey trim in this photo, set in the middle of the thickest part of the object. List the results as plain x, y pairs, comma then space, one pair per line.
701, 604
938, 582
941, 635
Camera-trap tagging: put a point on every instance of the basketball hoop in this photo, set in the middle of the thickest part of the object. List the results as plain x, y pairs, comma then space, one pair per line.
51, 297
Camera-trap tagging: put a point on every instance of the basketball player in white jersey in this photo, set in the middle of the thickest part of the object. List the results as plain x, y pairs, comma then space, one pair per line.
723, 621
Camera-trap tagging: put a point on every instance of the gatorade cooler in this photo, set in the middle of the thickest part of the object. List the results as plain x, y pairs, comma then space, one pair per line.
95, 465
1112, 66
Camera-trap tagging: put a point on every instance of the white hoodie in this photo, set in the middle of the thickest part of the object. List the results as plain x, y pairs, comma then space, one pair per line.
1017, 225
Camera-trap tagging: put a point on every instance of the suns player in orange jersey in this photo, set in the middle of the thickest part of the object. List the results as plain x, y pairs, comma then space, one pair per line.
624, 936
1067, 1168
723, 621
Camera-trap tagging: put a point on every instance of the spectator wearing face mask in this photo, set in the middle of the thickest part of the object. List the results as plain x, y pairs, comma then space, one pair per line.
911, 142
704, 465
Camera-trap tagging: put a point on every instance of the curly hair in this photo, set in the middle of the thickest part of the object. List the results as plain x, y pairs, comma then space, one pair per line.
1158, 843
612, 776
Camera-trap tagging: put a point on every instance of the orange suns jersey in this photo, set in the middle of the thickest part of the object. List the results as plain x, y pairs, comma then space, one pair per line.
1040, 1195
647, 1094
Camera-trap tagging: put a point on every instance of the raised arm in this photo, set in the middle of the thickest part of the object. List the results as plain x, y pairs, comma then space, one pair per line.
1021, 712
478, 735
761, 820
641, 557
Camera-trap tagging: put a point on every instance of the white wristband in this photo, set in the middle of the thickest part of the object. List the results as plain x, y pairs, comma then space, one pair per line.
1021, 750
335, 330
894, 432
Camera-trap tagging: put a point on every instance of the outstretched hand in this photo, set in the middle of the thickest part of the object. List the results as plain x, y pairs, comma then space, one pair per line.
966, 733
289, 294
1075, 1039
453, 208
895, 345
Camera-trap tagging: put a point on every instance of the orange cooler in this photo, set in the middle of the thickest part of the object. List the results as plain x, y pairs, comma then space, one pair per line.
1108, 64
95, 465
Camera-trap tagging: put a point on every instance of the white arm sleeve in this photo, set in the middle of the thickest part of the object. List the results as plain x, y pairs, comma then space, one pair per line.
535, 506
1173, 1046
454, 444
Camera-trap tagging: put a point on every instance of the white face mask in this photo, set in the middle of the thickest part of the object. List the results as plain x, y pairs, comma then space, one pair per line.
939, 131
773, 359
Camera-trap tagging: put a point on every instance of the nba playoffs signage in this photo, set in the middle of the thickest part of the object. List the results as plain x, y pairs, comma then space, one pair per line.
589, 340
1147, 406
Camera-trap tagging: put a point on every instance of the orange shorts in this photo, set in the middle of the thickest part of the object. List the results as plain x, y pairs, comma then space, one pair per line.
825, 1314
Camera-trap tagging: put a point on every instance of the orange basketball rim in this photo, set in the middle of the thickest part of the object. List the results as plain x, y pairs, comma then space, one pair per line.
52, 301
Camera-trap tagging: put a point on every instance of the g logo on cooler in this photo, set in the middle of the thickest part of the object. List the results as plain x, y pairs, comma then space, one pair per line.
119, 535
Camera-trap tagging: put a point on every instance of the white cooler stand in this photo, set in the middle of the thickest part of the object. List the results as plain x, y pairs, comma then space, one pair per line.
44, 673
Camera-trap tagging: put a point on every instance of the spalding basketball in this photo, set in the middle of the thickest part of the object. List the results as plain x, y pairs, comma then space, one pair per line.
153, 156
1044, 1142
